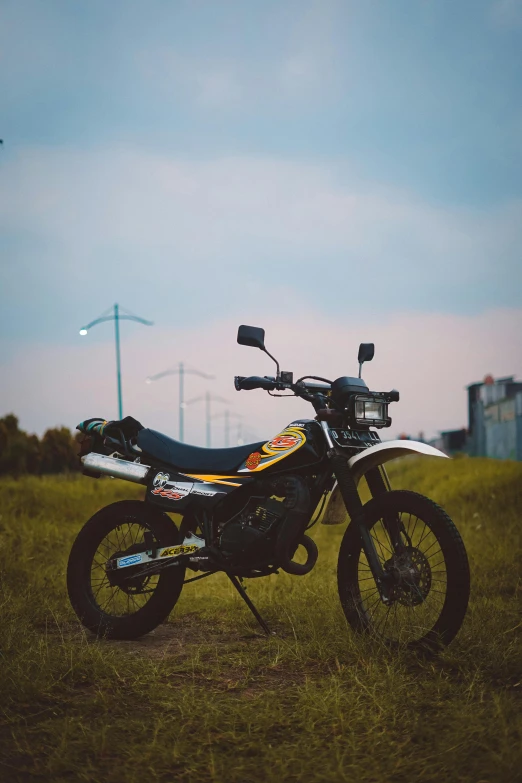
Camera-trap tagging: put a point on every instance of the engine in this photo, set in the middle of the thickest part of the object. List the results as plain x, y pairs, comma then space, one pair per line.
268, 530
252, 533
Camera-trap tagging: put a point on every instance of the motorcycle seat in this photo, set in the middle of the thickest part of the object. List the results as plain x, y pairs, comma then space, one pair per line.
193, 459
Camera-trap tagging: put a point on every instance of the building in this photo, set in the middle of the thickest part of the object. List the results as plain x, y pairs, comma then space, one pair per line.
451, 441
495, 418
494, 421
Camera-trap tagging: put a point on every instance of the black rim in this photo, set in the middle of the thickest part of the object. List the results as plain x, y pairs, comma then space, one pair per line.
131, 591
419, 577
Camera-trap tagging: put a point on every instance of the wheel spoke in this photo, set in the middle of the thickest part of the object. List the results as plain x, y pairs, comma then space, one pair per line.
418, 580
134, 593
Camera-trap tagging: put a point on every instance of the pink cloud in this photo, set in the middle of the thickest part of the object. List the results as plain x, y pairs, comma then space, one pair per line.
429, 358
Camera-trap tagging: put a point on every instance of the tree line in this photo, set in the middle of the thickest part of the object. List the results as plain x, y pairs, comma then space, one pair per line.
55, 452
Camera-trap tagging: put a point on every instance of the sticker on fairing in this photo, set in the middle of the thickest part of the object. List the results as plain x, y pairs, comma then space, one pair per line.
253, 460
284, 444
172, 490
129, 560
182, 549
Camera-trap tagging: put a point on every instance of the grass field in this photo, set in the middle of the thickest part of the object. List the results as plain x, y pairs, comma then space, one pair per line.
208, 698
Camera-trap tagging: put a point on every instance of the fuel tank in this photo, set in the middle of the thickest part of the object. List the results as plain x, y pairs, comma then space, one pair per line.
301, 443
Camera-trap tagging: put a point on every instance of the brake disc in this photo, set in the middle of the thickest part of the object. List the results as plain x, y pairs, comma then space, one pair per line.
411, 573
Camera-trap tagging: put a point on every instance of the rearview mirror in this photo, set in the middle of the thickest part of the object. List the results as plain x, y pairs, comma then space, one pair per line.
366, 352
251, 335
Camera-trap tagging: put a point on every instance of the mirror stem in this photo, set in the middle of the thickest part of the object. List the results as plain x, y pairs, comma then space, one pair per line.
273, 359
360, 368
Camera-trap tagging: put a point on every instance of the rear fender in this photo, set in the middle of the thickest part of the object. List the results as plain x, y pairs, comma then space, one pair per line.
372, 457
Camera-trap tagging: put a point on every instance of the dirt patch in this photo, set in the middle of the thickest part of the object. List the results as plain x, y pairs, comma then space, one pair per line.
208, 652
182, 635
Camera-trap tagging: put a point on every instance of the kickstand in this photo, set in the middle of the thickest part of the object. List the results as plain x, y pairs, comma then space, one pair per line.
242, 592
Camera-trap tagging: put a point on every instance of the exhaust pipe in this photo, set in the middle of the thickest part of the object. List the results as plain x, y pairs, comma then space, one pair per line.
117, 468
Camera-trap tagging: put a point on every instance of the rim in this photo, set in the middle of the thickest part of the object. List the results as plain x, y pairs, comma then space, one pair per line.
420, 581
136, 591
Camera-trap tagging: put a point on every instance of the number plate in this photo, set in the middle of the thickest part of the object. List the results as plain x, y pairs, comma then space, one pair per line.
354, 438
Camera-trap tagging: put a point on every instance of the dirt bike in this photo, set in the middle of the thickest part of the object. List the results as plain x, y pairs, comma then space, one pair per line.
402, 572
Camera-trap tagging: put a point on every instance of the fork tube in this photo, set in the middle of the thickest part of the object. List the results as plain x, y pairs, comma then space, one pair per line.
379, 485
375, 482
355, 508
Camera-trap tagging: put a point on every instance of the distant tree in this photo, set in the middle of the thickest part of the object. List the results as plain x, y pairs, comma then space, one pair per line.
21, 453
59, 451
16, 452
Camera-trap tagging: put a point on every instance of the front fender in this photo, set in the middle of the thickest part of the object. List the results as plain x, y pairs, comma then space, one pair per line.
372, 457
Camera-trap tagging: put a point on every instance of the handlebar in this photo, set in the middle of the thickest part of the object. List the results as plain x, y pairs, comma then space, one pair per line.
307, 391
256, 382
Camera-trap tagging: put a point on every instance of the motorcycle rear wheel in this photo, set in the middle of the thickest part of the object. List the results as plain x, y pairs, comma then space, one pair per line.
431, 579
139, 604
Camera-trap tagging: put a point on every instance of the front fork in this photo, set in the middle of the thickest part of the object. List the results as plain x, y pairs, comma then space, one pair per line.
354, 506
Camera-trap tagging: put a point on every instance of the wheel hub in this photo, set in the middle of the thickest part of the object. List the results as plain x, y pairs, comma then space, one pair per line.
411, 575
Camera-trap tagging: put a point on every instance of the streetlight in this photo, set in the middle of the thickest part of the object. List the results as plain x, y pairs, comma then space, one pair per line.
209, 398
245, 435
227, 414
116, 316
180, 370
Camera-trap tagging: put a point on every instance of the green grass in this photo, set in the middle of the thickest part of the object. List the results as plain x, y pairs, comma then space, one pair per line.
207, 698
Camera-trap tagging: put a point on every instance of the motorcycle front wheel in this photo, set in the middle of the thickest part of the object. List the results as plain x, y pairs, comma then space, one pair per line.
429, 573
133, 601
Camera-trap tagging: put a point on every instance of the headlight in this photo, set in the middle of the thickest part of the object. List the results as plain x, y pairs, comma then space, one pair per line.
371, 412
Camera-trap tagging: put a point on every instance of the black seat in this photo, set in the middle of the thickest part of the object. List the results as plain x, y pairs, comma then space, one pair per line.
193, 459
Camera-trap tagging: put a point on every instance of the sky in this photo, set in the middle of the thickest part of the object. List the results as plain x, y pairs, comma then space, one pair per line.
334, 171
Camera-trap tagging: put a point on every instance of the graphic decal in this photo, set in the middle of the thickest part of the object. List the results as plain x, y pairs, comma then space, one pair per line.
172, 490
164, 486
283, 442
129, 560
214, 479
182, 549
170, 494
160, 479
288, 441
206, 493
253, 460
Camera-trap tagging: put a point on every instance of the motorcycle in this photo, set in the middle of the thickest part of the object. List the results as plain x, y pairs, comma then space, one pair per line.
402, 572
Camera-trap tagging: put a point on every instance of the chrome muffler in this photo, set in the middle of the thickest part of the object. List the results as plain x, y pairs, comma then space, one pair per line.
117, 468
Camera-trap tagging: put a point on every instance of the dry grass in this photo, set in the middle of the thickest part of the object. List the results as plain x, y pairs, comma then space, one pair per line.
207, 698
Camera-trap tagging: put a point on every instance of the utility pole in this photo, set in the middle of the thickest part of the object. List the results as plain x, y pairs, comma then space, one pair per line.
116, 316
181, 370
245, 435
208, 398
118, 357
226, 414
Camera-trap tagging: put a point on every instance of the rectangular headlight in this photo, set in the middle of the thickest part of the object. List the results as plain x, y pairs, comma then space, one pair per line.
371, 411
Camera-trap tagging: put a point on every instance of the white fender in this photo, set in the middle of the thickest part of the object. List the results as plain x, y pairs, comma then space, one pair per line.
335, 513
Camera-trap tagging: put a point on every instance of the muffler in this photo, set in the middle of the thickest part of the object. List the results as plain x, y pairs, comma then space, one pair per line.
117, 468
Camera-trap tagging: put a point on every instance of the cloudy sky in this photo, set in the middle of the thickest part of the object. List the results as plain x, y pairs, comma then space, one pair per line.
332, 170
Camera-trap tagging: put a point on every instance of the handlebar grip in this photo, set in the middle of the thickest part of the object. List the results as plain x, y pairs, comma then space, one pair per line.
254, 382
